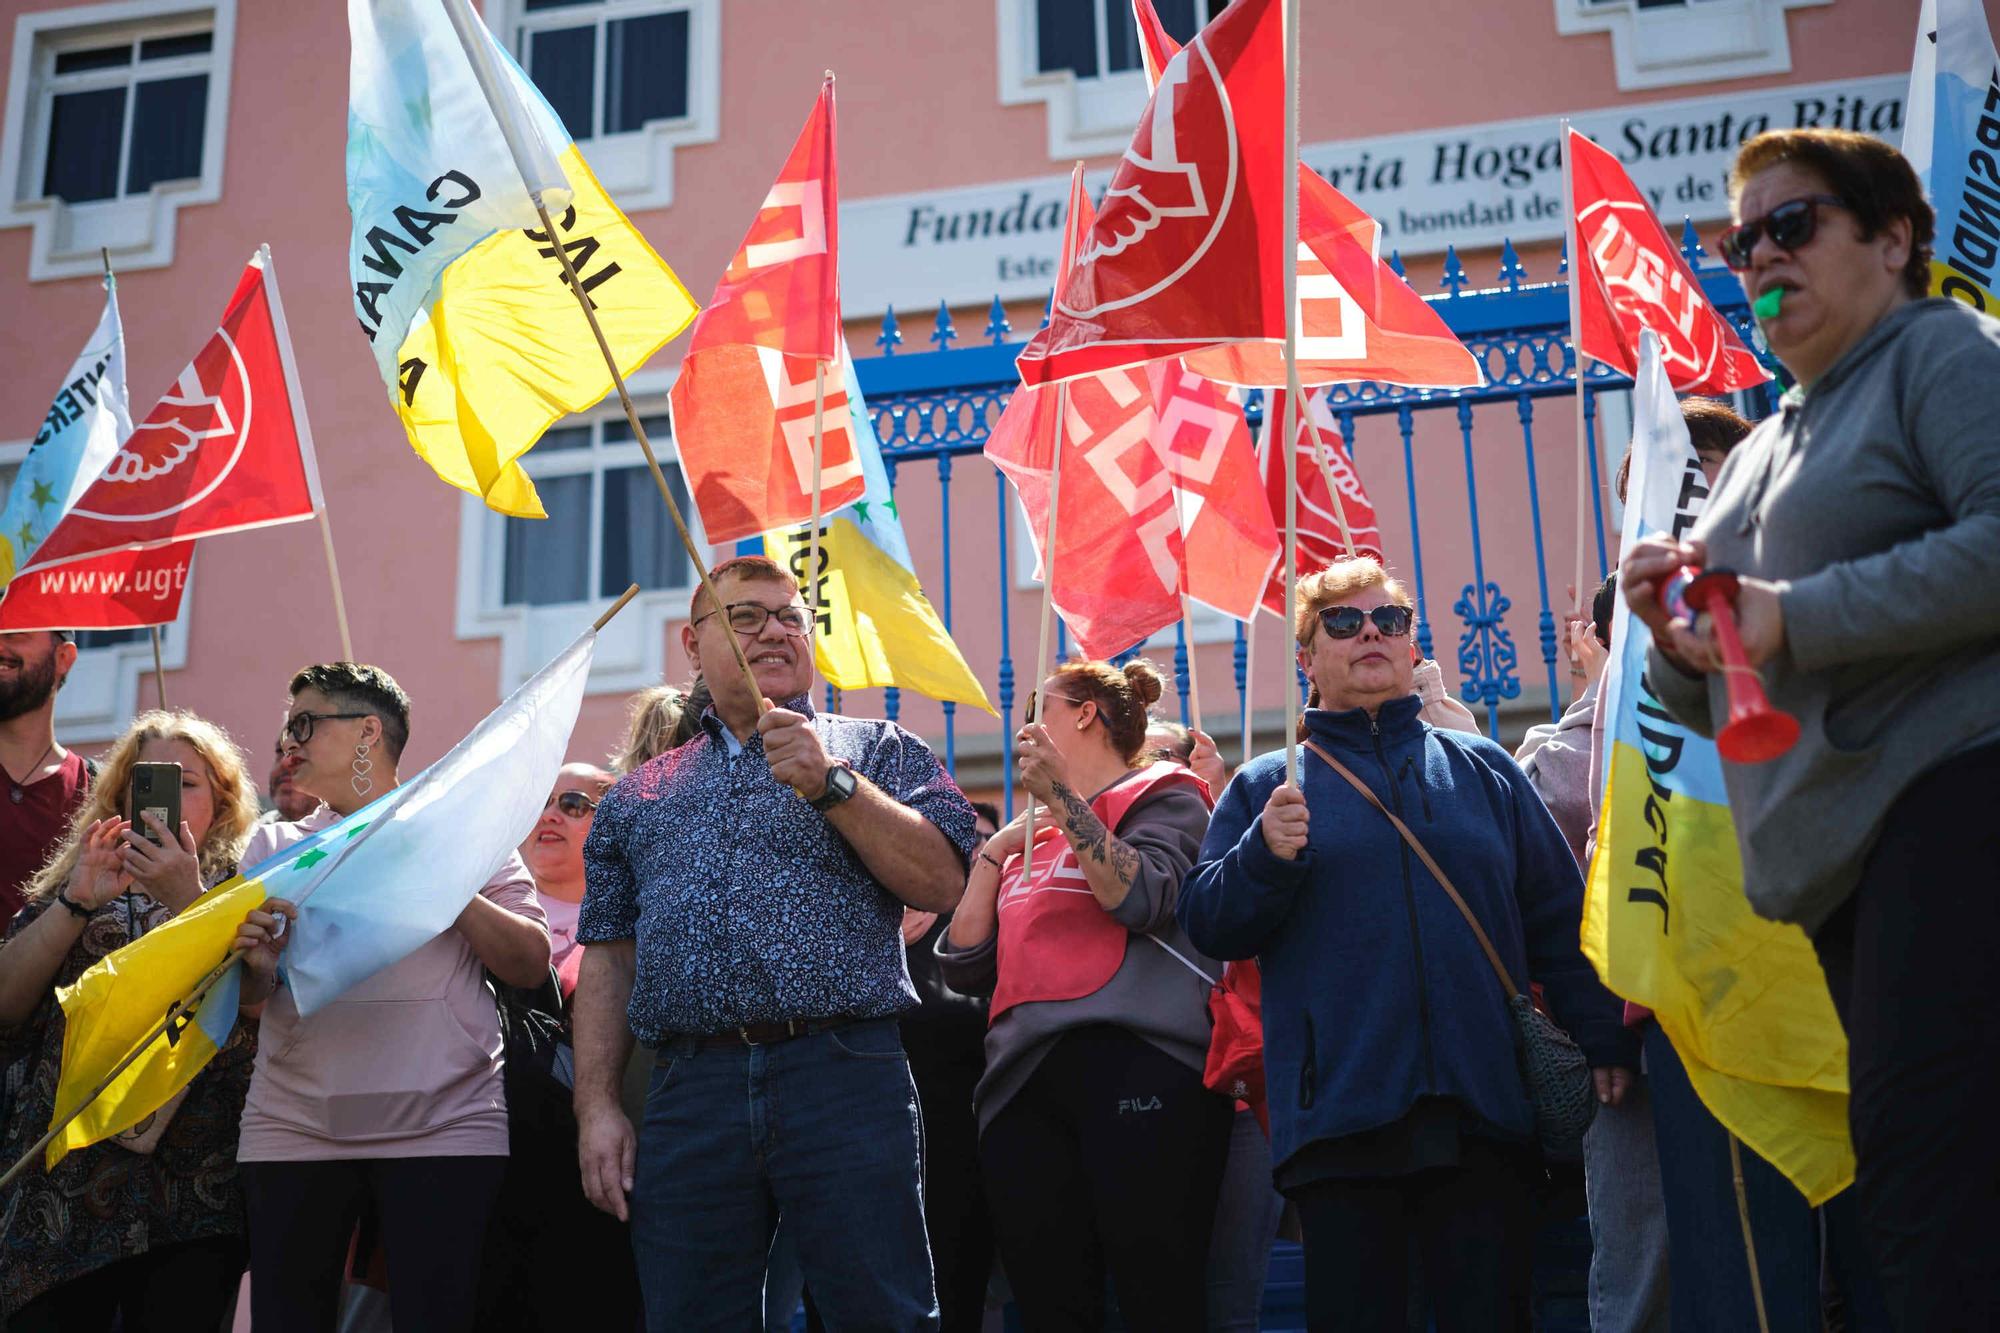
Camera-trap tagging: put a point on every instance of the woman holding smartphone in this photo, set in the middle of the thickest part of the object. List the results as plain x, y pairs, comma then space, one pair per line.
146, 1227
390, 1095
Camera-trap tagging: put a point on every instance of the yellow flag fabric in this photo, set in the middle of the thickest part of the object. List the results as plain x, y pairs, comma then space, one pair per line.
116, 1004
475, 332
876, 627
1666, 922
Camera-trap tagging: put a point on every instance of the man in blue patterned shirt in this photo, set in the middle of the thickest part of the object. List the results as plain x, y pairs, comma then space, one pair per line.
743, 907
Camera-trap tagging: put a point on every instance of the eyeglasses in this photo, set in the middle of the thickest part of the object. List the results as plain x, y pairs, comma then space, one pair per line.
1790, 226
572, 803
1344, 622
1029, 717
299, 726
750, 618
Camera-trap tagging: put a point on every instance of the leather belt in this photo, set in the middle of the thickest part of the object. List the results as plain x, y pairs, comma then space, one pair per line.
767, 1034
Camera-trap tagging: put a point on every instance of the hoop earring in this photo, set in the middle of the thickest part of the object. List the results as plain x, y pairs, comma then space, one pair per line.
363, 766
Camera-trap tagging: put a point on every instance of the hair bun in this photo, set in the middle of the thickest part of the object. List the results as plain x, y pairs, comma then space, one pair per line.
1145, 680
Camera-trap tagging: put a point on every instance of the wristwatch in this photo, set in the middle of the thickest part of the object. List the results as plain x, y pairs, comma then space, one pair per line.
840, 784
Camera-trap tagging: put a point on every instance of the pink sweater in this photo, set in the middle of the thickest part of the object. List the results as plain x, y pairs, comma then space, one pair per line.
406, 1064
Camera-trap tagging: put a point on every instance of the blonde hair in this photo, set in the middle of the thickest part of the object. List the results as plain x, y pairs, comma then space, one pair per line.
1122, 695
662, 718
1335, 584
236, 807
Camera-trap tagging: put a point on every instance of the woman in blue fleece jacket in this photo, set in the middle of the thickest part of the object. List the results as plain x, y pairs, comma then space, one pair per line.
1397, 1110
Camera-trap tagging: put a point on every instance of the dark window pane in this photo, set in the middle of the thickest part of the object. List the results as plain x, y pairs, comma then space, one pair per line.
166, 48
167, 125
563, 65
1121, 36
547, 561
659, 430
646, 66
107, 638
640, 545
1181, 18
85, 130
565, 437
1066, 36
97, 57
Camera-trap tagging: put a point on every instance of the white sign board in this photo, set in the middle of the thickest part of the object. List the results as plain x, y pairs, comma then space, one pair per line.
1469, 186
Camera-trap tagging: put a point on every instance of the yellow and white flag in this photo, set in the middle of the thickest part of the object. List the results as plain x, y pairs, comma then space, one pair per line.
461, 292
1949, 132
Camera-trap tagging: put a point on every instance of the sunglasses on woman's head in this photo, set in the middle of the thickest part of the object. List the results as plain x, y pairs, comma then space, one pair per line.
1791, 226
572, 803
1344, 622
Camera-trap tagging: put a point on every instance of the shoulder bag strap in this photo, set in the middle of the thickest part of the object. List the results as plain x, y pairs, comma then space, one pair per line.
1444, 881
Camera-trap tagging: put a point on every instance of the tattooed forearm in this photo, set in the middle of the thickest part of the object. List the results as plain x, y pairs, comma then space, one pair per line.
1093, 842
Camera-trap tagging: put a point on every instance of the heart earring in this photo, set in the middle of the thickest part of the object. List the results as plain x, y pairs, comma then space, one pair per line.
363, 766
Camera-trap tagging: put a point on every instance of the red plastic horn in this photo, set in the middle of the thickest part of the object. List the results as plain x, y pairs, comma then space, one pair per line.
1756, 732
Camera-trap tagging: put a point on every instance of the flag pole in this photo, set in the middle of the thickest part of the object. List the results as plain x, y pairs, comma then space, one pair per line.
1326, 475
1291, 435
159, 672
468, 28
1194, 684
333, 575
1576, 346
819, 464
1048, 614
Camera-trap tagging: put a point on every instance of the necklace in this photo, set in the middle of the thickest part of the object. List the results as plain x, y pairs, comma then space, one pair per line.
16, 789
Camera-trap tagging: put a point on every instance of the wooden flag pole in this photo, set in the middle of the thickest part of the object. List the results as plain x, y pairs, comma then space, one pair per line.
819, 465
159, 671
1576, 346
1048, 615
1333, 490
339, 600
1291, 435
1194, 684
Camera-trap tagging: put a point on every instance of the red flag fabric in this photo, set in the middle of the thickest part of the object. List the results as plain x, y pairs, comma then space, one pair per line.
1229, 547
743, 405
1320, 542
226, 448
1188, 250
1358, 320
120, 590
1630, 277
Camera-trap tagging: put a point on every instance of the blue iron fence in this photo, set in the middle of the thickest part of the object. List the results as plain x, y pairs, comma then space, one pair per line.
935, 407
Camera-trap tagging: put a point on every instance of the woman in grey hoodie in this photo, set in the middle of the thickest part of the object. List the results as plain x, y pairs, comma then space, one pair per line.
1865, 520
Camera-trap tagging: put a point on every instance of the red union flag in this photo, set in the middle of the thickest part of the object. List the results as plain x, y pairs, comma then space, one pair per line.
1187, 252
227, 448
743, 405
1357, 319
1229, 546
1631, 277
121, 590
1320, 541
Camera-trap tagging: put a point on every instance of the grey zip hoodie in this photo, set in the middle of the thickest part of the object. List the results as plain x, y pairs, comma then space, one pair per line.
1874, 502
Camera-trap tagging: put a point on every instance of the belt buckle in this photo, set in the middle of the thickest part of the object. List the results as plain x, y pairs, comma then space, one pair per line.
744, 1033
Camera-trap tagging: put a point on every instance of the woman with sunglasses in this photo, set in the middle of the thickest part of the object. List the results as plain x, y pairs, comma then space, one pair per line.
1102, 1151
1864, 522
554, 856
390, 1096
1399, 1121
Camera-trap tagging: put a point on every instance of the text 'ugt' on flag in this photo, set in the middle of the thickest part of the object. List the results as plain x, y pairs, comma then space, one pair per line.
479, 340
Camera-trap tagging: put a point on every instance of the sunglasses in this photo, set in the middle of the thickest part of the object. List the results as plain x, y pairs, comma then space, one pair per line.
572, 803
1344, 622
299, 726
1029, 715
1790, 226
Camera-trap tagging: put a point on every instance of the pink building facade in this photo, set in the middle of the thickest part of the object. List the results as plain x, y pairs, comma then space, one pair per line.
181, 134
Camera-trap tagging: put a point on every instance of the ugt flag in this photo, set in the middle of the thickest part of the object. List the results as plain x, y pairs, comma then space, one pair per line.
1630, 277
370, 890
743, 406
1322, 458
479, 341
1189, 250
1357, 318
876, 627
1949, 132
226, 448
1665, 918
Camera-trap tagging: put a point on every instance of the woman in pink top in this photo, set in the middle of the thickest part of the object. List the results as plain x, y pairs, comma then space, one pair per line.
391, 1096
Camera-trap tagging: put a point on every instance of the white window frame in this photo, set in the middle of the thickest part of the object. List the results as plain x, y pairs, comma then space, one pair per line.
1701, 41
1086, 116
138, 230
633, 651
103, 691
637, 167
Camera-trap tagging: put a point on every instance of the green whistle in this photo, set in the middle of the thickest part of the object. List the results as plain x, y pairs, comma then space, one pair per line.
1766, 306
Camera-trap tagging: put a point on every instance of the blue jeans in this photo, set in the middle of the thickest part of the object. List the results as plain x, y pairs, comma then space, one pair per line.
822, 1128
1628, 1218
1246, 1222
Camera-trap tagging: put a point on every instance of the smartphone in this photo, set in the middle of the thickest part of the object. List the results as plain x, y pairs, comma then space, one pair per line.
155, 790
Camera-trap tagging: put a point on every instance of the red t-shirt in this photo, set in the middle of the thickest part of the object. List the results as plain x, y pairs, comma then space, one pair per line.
33, 820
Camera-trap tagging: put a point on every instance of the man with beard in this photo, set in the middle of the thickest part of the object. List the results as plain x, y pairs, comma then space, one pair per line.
288, 804
44, 782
